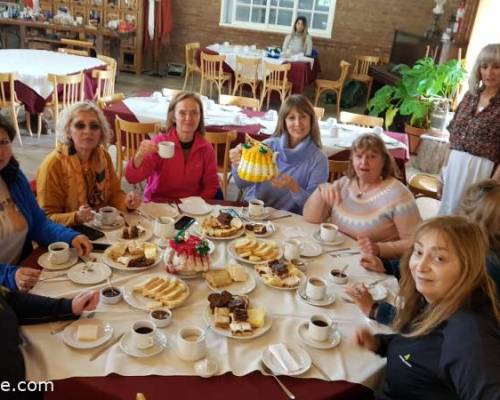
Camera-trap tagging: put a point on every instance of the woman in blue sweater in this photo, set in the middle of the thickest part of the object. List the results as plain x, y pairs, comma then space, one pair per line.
22, 221
301, 163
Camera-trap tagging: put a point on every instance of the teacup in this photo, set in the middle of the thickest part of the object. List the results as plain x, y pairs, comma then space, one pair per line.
164, 227
328, 232
107, 215
191, 343
161, 317
291, 249
143, 334
319, 327
334, 130
59, 252
378, 130
255, 208
315, 288
166, 149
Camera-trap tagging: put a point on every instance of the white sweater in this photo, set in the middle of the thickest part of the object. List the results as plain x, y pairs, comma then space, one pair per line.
295, 43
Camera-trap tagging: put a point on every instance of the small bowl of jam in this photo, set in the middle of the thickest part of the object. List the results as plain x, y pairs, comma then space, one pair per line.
161, 317
111, 295
338, 277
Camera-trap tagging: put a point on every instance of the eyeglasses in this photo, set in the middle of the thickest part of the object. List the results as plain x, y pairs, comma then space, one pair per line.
5, 142
82, 125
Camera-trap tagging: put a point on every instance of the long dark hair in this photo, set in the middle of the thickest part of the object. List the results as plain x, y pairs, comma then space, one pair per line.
9, 173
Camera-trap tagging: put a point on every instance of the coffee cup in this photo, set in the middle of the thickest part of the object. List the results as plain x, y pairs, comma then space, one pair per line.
143, 334
328, 232
191, 343
319, 327
334, 131
166, 149
59, 252
315, 288
164, 227
291, 249
161, 317
255, 208
107, 215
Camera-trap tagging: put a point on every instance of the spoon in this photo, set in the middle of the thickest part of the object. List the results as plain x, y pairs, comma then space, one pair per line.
344, 269
268, 371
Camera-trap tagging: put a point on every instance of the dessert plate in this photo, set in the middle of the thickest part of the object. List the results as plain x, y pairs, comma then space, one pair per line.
302, 280
235, 255
44, 262
310, 249
104, 333
209, 319
90, 273
340, 239
378, 292
270, 229
120, 221
116, 265
128, 348
237, 287
144, 236
234, 236
156, 210
333, 340
326, 301
301, 357
195, 206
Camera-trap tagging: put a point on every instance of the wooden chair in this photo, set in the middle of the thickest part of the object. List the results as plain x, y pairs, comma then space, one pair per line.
170, 92
424, 185
246, 73
219, 139
112, 65
129, 136
191, 66
73, 52
275, 79
105, 83
360, 72
323, 85
336, 169
105, 101
140, 396
320, 112
8, 100
81, 45
240, 101
212, 72
366, 121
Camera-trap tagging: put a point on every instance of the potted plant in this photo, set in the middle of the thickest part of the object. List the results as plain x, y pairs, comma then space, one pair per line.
425, 87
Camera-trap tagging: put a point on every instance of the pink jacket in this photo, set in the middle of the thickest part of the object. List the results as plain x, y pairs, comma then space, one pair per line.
175, 178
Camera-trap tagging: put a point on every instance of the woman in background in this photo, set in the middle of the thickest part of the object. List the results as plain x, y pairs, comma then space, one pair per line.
299, 41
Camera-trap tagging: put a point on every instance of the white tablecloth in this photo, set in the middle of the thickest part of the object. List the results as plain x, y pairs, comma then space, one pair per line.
48, 358
33, 66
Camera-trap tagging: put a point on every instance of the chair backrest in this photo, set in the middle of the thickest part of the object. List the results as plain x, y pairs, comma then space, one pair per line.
240, 101
276, 75
336, 169
112, 65
190, 54
73, 52
170, 92
218, 140
7, 92
365, 121
105, 101
72, 89
81, 44
320, 112
363, 63
140, 396
344, 71
247, 68
211, 66
105, 83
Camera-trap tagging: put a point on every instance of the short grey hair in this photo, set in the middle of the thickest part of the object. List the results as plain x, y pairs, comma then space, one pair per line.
68, 114
489, 54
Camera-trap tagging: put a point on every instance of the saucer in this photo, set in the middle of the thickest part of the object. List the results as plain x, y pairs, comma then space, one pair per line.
310, 249
44, 262
265, 214
326, 301
340, 239
194, 206
105, 332
128, 348
332, 341
119, 222
301, 357
90, 273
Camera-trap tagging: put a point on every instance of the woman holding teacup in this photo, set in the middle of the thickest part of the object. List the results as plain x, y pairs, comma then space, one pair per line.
78, 176
179, 163
369, 203
22, 221
301, 163
448, 345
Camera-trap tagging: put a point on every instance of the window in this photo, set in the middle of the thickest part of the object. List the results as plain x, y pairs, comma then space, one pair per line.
279, 15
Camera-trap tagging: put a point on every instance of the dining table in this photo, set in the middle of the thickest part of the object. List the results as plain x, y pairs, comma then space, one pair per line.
338, 370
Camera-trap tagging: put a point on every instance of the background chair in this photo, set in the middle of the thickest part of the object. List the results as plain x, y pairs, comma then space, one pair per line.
81, 45
275, 80
105, 84
212, 72
240, 101
112, 65
246, 73
323, 85
191, 66
336, 169
424, 185
106, 101
219, 139
8, 100
320, 112
170, 92
366, 121
360, 72
73, 52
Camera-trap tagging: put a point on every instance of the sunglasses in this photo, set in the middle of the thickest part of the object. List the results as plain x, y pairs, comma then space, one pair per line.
93, 126
5, 142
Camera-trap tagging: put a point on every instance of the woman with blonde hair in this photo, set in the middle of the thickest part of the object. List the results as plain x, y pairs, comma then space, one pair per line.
369, 203
301, 163
78, 176
299, 40
448, 345
192, 170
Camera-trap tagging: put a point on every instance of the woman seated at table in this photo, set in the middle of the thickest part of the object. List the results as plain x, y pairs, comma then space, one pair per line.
25, 309
301, 163
299, 41
22, 221
192, 170
369, 204
78, 177
448, 346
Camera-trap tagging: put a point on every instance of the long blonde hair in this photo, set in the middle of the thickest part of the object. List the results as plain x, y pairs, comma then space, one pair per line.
468, 242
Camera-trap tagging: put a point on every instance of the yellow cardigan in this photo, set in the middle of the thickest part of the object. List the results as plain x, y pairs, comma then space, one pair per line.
57, 195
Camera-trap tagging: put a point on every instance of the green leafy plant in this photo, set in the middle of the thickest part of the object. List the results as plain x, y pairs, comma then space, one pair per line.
420, 88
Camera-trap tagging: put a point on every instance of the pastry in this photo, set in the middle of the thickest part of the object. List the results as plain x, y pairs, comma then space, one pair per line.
87, 332
187, 254
255, 250
218, 278
164, 292
133, 254
258, 162
223, 225
132, 232
279, 273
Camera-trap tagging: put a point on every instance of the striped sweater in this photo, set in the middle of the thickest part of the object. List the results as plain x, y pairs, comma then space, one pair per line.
387, 214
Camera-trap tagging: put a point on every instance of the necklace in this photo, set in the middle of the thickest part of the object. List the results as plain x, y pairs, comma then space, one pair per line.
360, 192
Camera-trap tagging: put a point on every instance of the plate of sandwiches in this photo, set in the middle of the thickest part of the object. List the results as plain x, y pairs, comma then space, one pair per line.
233, 277
234, 316
280, 274
156, 291
254, 251
132, 255
223, 226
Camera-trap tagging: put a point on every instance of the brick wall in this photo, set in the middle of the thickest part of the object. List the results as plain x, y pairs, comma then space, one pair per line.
359, 27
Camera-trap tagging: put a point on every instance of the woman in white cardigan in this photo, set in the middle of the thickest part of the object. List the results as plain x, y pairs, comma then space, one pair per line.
299, 41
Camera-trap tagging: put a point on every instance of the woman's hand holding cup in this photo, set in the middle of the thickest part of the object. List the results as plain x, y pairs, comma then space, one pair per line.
235, 156
146, 147
84, 214
134, 200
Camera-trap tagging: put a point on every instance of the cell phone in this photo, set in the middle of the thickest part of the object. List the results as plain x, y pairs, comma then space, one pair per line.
100, 247
91, 233
184, 222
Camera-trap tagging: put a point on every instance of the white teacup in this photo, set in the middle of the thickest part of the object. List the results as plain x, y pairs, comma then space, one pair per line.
164, 227
291, 249
59, 252
378, 130
316, 288
107, 215
255, 208
328, 232
143, 334
191, 343
334, 130
319, 327
166, 149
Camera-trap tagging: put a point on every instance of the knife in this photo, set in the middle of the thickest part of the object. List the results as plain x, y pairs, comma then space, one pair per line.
317, 366
106, 347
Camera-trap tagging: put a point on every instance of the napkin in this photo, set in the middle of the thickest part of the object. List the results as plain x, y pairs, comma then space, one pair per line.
283, 357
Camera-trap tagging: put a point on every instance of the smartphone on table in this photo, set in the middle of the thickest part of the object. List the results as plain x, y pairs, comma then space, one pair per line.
91, 233
184, 222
